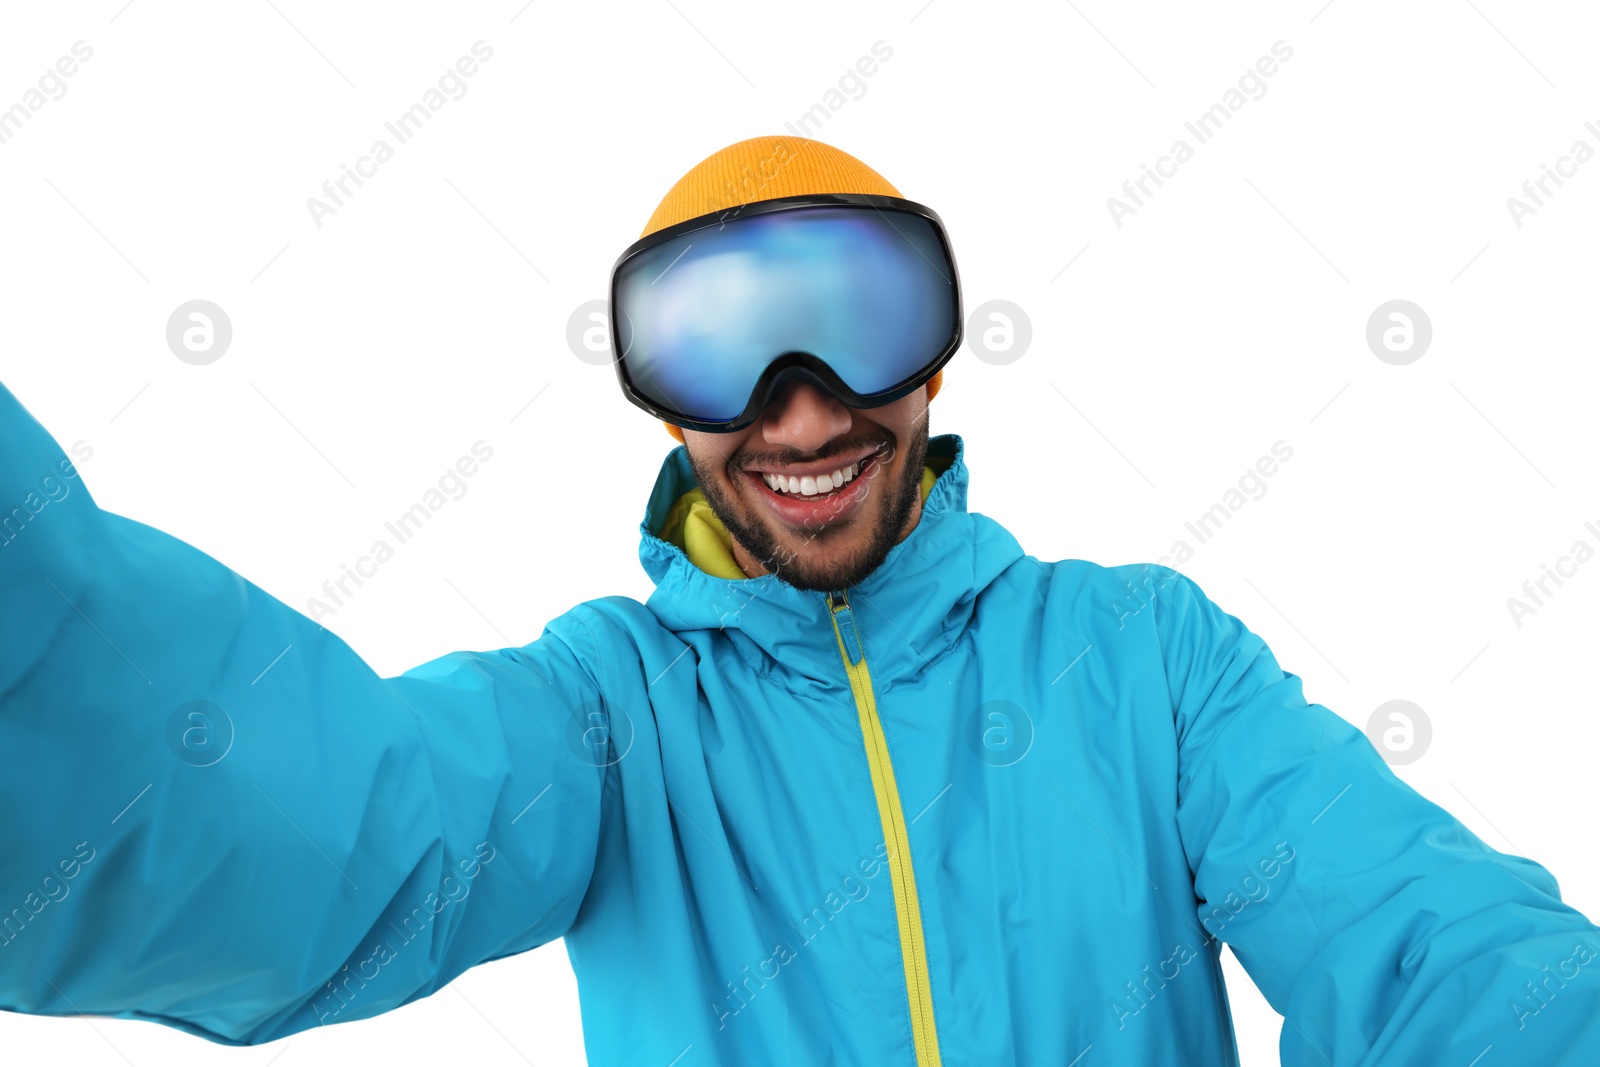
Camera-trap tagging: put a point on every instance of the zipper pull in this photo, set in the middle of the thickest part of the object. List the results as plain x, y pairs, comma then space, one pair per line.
844, 621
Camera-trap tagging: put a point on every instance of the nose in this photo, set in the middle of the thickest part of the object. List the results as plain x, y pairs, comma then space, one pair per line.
804, 417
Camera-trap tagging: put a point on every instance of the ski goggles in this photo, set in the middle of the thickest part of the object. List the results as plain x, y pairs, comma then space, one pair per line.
713, 317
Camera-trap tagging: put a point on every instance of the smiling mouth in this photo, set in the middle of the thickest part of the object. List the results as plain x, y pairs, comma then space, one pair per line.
818, 496
814, 487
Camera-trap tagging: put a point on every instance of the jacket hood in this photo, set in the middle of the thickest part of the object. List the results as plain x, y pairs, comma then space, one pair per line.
913, 607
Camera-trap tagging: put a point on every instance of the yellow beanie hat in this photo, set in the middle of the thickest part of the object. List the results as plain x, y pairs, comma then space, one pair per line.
765, 168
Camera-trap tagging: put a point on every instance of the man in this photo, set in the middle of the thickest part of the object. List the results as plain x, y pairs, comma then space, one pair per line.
861, 783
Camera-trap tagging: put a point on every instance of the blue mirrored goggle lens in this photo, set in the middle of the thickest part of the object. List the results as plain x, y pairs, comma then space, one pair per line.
871, 293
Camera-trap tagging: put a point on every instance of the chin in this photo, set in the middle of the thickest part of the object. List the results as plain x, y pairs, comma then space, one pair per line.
825, 564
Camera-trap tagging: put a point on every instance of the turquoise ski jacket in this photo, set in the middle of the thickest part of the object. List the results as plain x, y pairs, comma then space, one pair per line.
980, 809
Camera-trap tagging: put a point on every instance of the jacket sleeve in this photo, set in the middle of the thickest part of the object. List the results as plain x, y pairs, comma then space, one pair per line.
215, 815
1382, 929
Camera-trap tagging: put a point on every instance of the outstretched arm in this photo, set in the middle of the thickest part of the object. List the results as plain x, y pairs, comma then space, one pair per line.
1378, 925
218, 817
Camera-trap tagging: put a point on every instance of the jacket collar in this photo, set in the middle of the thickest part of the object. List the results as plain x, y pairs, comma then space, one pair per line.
912, 608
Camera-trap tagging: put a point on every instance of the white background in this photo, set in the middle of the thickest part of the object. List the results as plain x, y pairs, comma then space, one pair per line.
1228, 313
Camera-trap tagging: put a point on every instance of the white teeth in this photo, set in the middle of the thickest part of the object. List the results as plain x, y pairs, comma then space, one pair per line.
810, 485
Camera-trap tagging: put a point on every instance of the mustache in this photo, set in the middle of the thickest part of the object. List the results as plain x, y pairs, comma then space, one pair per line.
835, 450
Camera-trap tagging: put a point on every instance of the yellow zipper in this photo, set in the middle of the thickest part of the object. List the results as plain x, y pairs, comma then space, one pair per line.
913, 954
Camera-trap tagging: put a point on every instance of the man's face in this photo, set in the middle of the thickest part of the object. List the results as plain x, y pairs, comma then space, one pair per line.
816, 538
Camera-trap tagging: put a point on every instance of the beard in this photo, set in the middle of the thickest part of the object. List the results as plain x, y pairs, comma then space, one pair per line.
821, 559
